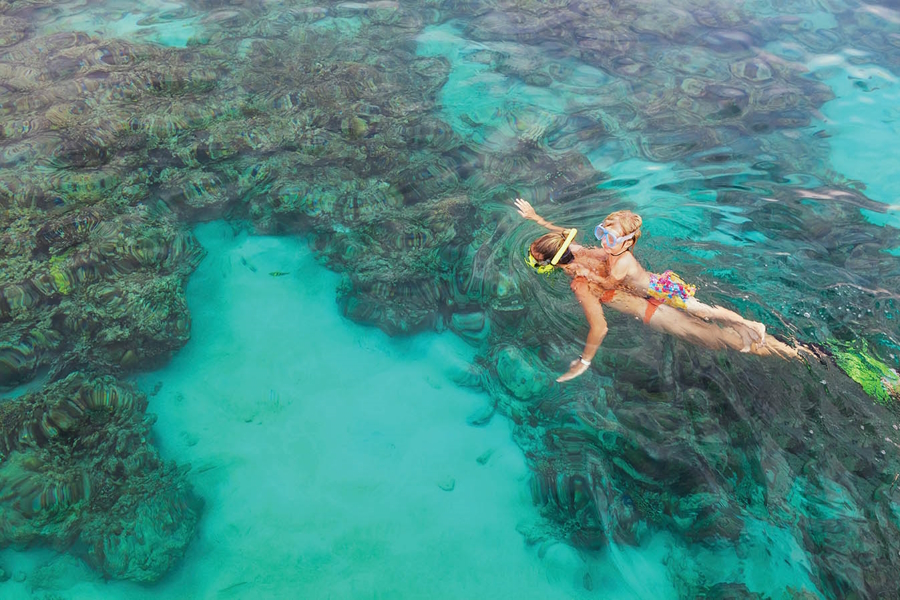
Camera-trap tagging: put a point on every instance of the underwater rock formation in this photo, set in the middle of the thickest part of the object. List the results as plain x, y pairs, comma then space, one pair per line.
78, 473
326, 119
90, 289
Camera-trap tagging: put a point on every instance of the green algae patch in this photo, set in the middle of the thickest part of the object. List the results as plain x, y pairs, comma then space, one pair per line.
876, 378
58, 273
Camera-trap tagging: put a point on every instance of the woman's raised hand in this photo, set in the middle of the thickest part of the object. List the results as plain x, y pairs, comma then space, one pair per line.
525, 209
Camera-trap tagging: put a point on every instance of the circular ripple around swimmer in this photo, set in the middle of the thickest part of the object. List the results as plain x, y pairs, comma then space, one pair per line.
669, 146
547, 298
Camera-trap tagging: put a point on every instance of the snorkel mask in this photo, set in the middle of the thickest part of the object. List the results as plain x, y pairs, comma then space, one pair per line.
544, 266
612, 240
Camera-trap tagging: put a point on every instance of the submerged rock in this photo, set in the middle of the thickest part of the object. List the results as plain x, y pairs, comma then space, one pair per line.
471, 326
519, 374
78, 473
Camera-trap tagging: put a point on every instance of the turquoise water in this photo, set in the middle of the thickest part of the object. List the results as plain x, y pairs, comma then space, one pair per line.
266, 330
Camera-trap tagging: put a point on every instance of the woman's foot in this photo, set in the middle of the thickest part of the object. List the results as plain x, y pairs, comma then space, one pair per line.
760, 330
751, 333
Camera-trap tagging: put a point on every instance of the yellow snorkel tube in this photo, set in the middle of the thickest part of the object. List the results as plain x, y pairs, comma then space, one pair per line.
546, 268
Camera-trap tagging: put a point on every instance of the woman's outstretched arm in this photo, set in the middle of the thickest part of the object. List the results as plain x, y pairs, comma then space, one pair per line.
593, 310
526, 210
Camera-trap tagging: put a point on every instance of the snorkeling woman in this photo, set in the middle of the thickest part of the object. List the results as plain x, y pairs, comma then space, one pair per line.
588, 269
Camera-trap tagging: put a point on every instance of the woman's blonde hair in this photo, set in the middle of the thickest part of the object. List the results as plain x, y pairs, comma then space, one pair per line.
628, 221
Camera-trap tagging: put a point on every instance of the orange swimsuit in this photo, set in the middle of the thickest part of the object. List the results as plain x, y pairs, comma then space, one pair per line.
652, 303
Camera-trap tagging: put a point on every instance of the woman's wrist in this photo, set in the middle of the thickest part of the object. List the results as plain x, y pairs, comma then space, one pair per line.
586, 362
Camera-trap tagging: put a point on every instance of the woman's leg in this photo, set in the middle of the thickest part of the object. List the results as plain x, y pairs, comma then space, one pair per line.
671, 320
750, 331
680, 324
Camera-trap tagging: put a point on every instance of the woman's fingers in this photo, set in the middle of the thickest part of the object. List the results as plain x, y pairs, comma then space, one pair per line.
524, 208
574, 371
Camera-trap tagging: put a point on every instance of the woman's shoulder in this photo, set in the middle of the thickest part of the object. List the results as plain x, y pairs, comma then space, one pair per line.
593, 251
593, 256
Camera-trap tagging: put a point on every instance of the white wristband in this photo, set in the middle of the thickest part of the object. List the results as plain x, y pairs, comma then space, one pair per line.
586, 363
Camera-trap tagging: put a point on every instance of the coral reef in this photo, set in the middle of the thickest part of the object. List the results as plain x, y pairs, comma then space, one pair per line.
336, 120
78, 472
88, 289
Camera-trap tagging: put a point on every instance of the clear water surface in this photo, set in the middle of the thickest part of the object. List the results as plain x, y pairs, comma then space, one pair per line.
187, 187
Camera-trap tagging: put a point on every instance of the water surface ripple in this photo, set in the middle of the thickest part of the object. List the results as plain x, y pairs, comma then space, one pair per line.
755, 139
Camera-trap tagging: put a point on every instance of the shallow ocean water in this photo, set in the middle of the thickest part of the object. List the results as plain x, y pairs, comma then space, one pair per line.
187, 188
322, 475
325, 479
